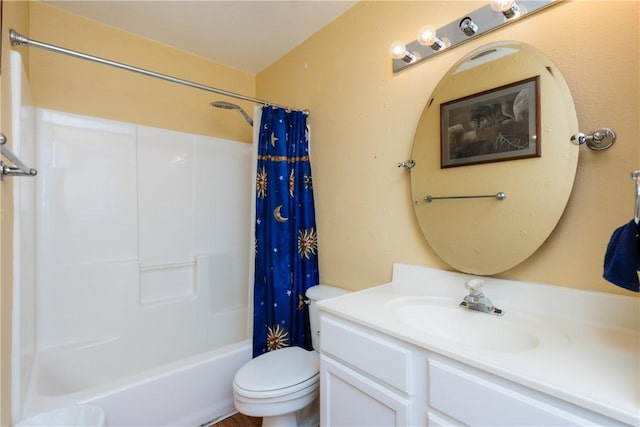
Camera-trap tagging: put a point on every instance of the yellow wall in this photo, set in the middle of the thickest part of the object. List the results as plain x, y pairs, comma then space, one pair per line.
363, 121
64, 83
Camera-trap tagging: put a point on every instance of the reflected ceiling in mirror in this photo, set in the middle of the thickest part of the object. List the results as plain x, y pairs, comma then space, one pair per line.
490, 235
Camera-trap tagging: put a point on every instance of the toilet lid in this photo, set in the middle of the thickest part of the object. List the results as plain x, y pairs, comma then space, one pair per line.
278, 369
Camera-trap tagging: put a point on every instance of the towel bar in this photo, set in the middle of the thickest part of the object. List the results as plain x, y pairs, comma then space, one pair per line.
17, 168
500, 196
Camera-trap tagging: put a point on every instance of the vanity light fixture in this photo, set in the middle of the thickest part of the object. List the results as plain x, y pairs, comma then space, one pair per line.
433, 41
509, 8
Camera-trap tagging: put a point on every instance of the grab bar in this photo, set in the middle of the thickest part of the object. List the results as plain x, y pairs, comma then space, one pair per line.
635, 175
500, 196
17, 168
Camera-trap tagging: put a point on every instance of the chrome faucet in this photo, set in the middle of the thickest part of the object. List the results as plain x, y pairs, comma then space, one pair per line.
476, 299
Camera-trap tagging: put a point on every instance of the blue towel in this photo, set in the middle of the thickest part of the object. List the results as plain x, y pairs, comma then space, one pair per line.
622, 259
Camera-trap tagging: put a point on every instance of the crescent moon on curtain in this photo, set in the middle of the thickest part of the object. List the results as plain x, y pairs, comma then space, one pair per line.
277, 215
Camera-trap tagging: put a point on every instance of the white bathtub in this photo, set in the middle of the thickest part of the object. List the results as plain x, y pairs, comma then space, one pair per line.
186, 392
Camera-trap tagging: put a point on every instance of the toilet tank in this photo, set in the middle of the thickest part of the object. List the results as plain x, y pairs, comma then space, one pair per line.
315, 294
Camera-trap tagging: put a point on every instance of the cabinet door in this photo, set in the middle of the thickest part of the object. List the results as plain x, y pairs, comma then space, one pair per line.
350, 399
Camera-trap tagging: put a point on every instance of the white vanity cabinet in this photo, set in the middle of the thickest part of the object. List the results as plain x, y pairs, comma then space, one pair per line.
366, 378
369, 378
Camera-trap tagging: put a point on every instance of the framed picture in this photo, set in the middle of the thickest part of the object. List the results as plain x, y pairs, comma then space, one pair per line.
492, 126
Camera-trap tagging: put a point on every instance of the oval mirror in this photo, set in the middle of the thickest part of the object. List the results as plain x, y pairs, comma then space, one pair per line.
499, 121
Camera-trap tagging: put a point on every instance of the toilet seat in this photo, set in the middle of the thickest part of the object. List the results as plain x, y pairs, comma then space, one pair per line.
280, 394
278, 373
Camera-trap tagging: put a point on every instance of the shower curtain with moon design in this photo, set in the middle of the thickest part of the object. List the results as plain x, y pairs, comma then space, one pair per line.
286, 261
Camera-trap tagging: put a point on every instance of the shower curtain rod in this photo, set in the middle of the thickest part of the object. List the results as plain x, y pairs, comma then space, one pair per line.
18, 39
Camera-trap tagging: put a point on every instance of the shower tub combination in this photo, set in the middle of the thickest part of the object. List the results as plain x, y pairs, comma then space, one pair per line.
131, 267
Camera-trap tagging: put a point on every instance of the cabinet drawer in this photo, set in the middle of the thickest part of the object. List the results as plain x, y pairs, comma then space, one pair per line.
477, 398
381, 359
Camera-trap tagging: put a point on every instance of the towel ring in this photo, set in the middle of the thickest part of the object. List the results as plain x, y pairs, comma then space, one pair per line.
598, 140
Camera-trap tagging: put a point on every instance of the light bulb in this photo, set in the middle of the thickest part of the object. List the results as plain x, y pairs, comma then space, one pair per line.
501, 5
427, 37
398, 50
509, 8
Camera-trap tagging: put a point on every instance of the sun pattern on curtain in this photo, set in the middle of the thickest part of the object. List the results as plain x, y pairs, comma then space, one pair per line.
286, 261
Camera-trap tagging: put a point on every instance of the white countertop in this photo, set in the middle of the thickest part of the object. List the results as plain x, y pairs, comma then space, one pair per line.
596, 367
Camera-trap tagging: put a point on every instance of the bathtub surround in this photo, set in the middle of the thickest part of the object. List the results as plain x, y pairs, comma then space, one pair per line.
121, 205
141, 252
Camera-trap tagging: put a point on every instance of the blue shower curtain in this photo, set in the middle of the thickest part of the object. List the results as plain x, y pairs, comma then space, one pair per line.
286, 261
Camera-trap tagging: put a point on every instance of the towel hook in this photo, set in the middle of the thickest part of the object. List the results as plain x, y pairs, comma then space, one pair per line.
600, 139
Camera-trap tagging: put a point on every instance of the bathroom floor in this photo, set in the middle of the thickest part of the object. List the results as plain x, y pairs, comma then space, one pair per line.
239, 420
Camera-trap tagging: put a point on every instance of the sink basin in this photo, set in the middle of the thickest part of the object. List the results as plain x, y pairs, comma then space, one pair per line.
442, 318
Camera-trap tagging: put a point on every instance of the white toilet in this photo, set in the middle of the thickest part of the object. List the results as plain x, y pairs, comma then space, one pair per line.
282, 385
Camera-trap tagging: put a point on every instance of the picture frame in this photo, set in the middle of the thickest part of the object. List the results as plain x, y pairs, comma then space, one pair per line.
495, 125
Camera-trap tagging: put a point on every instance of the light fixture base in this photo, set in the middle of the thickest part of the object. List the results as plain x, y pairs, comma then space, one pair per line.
468, 27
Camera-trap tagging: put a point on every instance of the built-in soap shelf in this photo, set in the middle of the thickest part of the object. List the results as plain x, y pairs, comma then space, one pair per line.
166, 282
208, 274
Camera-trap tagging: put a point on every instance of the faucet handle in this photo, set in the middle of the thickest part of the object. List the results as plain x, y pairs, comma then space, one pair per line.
474, 286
